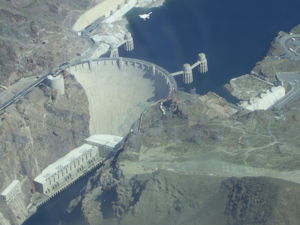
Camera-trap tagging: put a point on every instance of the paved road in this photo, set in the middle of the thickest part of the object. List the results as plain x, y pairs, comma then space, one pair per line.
289, 97
14, 94
19, 90
292, 78
291, 45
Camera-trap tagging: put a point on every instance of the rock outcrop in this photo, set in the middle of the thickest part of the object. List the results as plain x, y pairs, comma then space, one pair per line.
176, 168
36, 36
261, 201
39, 129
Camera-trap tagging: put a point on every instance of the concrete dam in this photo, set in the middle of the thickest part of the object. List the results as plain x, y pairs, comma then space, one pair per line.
119, 90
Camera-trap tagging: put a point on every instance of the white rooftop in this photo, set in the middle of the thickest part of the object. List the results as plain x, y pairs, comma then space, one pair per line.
50, 77
64, 161
104, 139
10, 187
97, 38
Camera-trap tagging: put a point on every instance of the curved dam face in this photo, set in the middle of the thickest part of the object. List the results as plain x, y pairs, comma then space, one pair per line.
119, 90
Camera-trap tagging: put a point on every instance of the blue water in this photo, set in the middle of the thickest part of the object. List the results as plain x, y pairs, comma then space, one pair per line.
234, 34
54, 210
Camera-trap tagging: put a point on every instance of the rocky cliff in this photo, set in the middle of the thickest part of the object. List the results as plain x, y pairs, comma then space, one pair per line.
38, 130
170, 198
176, 168
36, 36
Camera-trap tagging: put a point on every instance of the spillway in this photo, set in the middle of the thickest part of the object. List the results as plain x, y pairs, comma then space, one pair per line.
119, 90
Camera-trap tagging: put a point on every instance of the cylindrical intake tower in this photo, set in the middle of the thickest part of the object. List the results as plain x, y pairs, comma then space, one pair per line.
129, 44
187, 74
203, 67
57, 83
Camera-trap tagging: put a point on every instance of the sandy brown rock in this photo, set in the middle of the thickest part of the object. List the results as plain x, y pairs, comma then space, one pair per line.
39, 129
178, 166
36, 36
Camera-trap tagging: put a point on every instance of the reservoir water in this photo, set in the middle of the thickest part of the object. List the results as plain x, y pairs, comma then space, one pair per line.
234, 34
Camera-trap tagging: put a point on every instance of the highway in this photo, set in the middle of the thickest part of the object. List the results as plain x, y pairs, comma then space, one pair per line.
290, 42
23, 92
292, 78
290, 96
34, 84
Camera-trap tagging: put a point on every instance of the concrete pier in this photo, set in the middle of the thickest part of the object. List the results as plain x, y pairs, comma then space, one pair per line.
129, 44
187, 74
203, 67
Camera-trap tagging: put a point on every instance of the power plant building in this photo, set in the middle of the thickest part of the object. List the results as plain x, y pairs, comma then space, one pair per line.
12, 203
66, 169
75, 164
105, 143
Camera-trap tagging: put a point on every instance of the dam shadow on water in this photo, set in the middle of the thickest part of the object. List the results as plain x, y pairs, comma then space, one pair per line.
234, 35
54, 211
